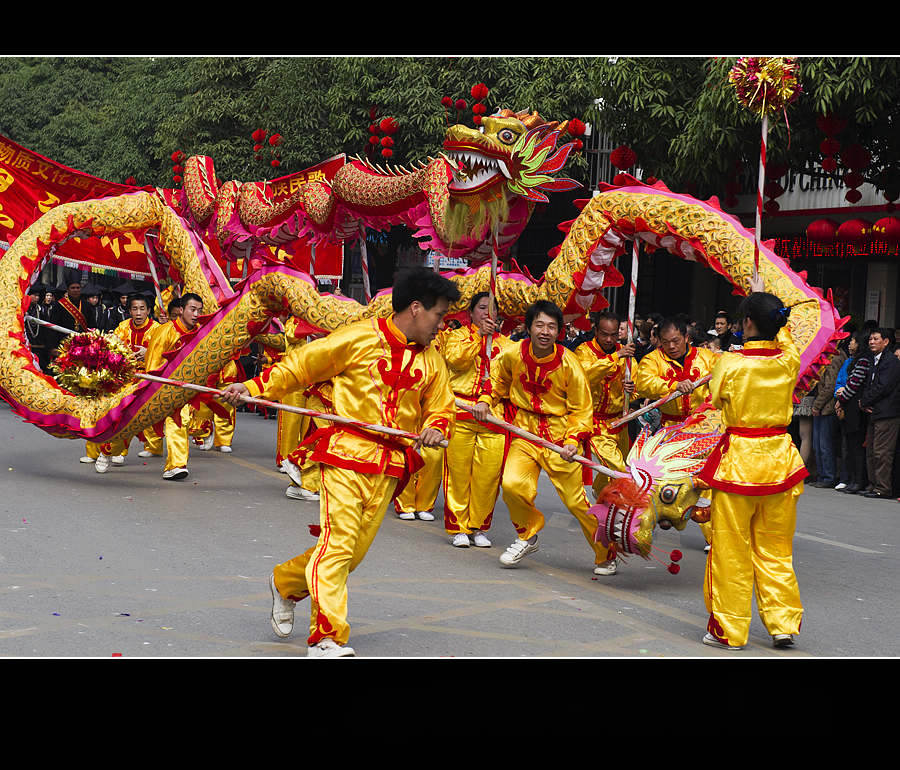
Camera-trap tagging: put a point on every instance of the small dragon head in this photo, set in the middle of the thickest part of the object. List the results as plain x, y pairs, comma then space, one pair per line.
515, 149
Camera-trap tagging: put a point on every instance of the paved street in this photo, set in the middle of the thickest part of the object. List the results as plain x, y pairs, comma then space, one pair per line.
128, 564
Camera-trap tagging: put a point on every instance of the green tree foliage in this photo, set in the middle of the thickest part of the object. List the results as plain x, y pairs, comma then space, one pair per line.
683, 120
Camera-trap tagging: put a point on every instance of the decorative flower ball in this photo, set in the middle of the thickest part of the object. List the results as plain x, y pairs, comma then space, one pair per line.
765, 84
93, 363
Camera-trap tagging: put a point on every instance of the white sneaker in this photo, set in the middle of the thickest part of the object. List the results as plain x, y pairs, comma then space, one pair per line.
410, 516
460, 540
780, 641
282, 617
840, 485
293, 472
517, 551
709, 639
299, 493
175, 474
207, 443
480, 539
147, 453
118, 460
101, 464
707, 548
425, 515
606, 568
225, 449
85, 459
328, 648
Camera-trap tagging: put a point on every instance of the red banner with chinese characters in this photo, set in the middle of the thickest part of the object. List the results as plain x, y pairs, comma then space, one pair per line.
329, 258
31, 185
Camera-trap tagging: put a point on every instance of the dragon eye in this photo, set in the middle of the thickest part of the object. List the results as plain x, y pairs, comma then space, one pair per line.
506, 135
668, 494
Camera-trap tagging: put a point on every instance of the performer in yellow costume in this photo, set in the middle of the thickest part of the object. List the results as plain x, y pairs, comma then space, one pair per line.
673, 366
137, 332
474, 458
172, 334
384, 371
212, 424
547, 394
603, 360
756, 475
418, 496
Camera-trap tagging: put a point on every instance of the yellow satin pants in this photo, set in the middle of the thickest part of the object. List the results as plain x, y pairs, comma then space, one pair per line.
422, 490
520, 481
752, 549
351, 509
472, 470
177, 440
610, 449
204, 419
116, 447
291, 426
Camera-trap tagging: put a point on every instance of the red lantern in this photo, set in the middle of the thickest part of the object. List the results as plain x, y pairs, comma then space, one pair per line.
131, 180
275, 163
822, 231
853, 196
275, 140
576, 127
623, 157
855, 231
771, 207
388, 125
176, 179
447, 101
373, 140
460, 105
479, 91
888, 229
829, 165
387, 142
177, 169
177, 156
258, 135
387, 152
830, 146
478, 109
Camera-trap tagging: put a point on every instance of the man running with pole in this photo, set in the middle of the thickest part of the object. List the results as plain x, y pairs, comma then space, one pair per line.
384, 371
547, 395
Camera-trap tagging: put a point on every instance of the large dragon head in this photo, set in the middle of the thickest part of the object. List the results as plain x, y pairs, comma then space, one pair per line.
511, 154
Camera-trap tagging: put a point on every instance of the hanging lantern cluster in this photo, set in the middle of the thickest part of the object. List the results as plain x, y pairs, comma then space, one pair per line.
856, 159
177, 168
622, 158
479, 93
381, 134
576, 129
855, 232
261, 139
831, 126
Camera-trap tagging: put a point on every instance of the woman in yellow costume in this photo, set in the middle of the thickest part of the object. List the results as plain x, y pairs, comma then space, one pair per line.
756, 475
474, 458
385, 372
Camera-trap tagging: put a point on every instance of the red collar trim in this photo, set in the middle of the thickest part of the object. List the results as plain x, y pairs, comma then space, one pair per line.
759, 352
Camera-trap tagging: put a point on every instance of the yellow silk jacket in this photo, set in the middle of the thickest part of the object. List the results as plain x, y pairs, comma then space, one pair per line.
137, 336
164, 340
465, 351
657, 375
546, 396
605, 374
378, 377
753, 388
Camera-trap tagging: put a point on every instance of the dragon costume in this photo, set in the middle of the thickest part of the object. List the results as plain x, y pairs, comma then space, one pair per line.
484, 183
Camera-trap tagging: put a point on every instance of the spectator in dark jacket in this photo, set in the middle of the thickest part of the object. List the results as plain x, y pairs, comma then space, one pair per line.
880, 399
824, 424
853, 420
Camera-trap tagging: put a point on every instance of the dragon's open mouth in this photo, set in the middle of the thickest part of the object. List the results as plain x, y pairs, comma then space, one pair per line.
475, 171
